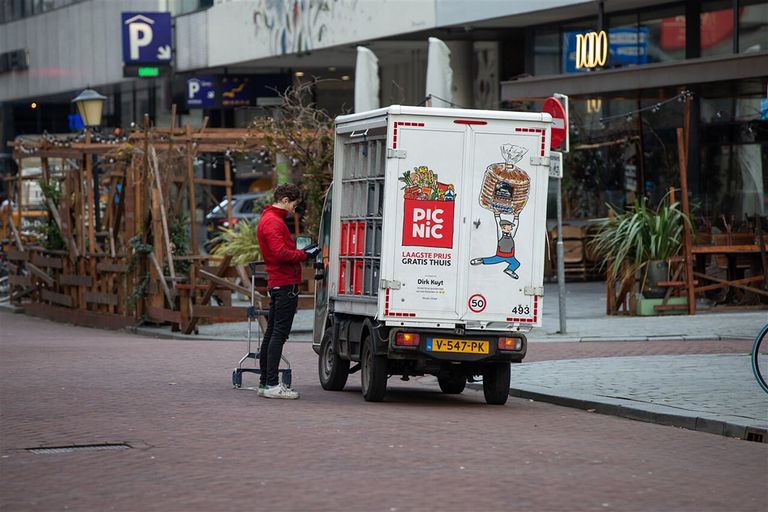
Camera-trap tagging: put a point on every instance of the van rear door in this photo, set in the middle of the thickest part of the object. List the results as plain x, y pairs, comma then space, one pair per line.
422, 220
505, 256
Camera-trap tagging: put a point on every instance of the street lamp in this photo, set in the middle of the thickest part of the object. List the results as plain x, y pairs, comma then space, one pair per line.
90, 104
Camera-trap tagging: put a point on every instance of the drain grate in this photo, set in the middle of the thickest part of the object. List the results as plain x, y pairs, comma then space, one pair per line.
79, 448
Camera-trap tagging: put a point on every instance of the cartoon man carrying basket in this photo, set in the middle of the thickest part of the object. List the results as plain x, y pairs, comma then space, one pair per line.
505, 191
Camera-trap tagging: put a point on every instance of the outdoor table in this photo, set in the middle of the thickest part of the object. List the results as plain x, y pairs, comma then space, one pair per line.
734, 275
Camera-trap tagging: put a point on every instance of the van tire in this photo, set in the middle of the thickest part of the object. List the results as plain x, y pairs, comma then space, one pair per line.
453, 384
496, 383
373, 372
332, 369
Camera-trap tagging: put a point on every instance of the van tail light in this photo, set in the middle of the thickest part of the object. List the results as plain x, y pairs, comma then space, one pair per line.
510, 343
228, 223
407, 339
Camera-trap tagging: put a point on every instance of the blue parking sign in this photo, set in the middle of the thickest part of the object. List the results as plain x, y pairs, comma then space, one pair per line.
201, 92
146, 37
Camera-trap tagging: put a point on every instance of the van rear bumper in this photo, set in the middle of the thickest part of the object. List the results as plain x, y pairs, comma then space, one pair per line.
429, 351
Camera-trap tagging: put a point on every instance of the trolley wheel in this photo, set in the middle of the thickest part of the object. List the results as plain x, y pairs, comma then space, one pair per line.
237, 379
333, 370
373, 372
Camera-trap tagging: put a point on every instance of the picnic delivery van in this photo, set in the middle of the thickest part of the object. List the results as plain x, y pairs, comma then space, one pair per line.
433, 240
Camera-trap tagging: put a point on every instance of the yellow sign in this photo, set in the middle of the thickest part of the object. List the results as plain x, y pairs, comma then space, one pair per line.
594, 105
591, 49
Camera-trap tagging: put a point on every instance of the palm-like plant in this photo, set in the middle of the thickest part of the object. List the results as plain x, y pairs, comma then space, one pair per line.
631, 239
239, 242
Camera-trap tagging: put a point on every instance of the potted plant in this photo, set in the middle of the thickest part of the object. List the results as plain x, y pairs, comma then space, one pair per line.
642, 239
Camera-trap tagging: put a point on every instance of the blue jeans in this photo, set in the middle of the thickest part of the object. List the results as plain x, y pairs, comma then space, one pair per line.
511, 261
282, 308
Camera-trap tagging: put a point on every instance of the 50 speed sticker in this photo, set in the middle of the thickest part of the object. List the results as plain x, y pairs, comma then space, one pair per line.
477, 303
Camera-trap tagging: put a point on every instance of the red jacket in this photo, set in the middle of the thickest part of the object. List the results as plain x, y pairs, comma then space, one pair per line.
283, 260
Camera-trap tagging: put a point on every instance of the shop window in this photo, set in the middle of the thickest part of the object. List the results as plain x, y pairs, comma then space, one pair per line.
716, 30
666, 34
753, 27
628, 41
546, 52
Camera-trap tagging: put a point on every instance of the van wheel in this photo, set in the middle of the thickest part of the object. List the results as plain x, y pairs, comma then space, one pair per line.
333, 369
373, 373
496, 383
452, 384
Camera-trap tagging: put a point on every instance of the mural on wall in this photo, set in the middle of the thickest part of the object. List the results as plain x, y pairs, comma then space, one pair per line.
294, 26
267, 28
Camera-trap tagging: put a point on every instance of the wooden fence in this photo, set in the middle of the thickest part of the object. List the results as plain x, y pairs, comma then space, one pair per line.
123, 262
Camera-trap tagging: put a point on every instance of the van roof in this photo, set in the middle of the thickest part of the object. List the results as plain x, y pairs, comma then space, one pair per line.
445, 112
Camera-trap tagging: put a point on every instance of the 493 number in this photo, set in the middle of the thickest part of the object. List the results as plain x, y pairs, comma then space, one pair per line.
521, 310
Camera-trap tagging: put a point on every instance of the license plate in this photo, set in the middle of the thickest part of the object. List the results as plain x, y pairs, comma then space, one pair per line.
457, 346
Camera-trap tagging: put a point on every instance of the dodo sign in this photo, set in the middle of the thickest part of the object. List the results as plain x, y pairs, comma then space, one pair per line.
591, 49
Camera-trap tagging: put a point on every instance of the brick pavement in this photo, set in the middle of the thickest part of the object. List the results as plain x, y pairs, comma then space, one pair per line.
199, 445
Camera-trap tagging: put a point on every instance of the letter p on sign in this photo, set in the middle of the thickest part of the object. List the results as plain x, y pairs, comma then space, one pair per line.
193, 87
139, 36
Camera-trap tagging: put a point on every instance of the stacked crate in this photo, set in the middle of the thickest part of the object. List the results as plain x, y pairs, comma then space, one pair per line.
362, 214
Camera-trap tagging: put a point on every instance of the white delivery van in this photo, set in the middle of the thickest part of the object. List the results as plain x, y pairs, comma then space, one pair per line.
433, 240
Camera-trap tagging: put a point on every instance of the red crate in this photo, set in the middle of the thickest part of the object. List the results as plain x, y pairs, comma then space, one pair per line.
342, 276
358, 277
344, 239
352, 236
360, 238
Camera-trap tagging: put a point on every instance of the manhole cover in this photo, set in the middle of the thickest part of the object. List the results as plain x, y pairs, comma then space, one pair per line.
79, 448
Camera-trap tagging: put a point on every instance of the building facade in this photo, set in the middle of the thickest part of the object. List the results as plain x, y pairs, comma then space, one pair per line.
509, 55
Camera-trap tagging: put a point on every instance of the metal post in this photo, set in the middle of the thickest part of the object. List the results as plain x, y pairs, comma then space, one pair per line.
560, 254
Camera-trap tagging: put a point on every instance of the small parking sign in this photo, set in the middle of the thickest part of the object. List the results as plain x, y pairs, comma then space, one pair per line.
201, 92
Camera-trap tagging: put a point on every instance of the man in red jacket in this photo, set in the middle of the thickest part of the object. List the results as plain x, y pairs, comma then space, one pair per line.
283, 262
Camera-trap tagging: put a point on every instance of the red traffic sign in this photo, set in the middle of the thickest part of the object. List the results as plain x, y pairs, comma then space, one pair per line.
553, 107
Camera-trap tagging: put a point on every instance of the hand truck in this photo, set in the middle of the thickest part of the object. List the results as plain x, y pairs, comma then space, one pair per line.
253, 313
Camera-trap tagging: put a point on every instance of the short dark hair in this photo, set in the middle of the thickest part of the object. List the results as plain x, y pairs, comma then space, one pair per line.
289, 190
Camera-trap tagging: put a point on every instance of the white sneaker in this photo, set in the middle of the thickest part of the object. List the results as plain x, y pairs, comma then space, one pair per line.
280, 391
262, 389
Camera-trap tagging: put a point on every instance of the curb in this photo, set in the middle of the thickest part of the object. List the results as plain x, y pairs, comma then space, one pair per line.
729, 426
167, 335
10, 308
661, 337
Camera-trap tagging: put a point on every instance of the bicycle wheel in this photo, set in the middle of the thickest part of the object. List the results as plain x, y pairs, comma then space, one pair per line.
760, 358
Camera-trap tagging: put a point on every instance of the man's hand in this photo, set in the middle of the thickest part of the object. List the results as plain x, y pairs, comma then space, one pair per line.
311, 251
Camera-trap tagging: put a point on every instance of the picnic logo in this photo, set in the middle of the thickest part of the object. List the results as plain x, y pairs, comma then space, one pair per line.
429, 209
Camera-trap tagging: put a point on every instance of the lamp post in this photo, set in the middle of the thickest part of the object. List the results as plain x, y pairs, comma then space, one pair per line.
90, 105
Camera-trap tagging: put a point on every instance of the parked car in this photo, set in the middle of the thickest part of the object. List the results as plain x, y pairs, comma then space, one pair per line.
242, 209
243, 206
